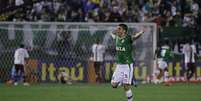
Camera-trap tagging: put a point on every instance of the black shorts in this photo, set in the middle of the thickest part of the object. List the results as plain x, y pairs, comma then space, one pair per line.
19, 67
97, 66
191, 66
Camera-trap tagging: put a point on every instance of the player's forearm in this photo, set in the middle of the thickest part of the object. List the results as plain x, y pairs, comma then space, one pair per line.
113, 35
137, 35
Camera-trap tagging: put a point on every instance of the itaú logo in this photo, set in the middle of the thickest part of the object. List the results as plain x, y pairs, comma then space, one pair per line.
121, 49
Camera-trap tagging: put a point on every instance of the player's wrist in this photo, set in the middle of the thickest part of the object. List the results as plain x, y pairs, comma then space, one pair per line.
114, 32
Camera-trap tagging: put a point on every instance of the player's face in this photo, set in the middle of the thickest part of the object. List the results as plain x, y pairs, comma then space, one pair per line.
120, 31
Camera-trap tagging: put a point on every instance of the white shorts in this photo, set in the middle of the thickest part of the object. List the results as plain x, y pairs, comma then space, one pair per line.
162, 64
123, 74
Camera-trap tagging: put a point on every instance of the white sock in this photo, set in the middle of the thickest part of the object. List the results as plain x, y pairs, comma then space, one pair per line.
166, 75
129, 95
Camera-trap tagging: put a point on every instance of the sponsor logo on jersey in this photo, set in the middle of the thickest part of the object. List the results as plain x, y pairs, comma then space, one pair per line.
120, 48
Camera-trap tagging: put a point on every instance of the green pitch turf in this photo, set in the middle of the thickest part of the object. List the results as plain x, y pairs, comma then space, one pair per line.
101, 92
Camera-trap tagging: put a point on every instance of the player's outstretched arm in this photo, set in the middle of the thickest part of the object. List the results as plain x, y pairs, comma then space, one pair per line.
137, 35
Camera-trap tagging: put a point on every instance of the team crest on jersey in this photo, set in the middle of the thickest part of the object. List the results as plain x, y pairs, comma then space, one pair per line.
127, 61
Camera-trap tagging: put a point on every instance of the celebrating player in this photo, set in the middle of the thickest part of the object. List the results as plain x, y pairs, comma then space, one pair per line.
124, 71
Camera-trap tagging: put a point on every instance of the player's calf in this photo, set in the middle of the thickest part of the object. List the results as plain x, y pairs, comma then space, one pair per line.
128, 92
129, 95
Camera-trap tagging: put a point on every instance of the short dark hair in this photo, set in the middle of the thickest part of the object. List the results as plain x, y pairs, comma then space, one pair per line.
124, 26
21, 45
97, 40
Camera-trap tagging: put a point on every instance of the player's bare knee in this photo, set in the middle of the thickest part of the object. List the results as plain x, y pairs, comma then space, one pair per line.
114, 85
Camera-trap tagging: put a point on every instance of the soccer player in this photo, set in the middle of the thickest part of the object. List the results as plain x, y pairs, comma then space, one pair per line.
189, 51
164, 56
98, 56
124, 71
20, 57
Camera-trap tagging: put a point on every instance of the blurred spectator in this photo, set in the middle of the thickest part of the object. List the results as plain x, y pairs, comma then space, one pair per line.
162, 12
195, 8
115, 15
64, 43
19, 2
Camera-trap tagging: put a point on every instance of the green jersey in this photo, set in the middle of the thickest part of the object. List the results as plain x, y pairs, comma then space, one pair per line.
166, 53
124, 49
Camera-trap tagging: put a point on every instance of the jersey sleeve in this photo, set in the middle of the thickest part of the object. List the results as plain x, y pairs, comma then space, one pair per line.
103, 47
194, 48
93, 48
15, 54
26, 54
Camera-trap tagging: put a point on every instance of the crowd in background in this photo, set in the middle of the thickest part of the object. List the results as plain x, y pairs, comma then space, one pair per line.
163, 12
185, 13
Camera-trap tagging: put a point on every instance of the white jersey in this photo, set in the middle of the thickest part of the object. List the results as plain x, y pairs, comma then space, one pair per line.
98, 52
20, 55
189, 53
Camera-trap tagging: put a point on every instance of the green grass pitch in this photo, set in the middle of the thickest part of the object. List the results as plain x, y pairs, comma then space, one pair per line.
100, 92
